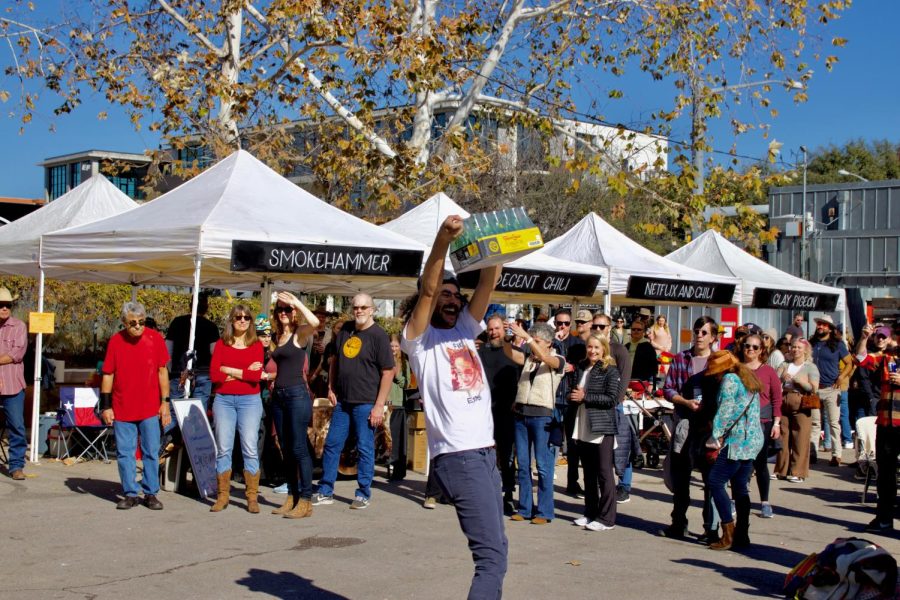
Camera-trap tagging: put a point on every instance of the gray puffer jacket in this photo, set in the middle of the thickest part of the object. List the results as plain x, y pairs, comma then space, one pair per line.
600, 396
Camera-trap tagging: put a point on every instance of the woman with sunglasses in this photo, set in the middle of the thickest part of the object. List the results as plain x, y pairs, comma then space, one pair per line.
235, 372
618, 334
799, 377
292, 404
753, 354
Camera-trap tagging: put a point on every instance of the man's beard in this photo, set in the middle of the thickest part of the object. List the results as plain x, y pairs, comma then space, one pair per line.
823, 335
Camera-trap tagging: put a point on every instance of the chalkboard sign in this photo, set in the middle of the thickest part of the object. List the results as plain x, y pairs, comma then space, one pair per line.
199, 441
789, 300
538, 282
676, 290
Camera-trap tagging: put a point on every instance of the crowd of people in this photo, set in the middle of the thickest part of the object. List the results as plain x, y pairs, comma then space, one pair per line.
502, 400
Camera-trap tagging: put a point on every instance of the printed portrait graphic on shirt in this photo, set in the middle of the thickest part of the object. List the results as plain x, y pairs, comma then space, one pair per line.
465, 370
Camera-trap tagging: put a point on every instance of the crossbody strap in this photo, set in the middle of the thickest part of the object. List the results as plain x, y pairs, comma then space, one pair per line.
741, 416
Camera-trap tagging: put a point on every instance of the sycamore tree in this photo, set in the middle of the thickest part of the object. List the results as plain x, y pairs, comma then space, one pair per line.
397, 100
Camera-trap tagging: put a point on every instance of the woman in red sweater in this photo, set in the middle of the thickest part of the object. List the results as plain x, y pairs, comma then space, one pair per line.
754, 353
235, 372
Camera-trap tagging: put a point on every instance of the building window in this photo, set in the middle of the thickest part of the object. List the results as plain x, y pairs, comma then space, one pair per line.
58, 181
74, 175
189, 154
128, 184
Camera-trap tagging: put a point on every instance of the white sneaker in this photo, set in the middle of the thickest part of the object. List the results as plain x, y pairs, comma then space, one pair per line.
580, 521
598, 526
848, 445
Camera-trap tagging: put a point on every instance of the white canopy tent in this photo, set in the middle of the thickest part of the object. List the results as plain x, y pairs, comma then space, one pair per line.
593, 241
550, 275
20, 251
763, 286
192, 234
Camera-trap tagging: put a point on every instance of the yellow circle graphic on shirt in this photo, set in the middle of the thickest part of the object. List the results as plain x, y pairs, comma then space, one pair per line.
352, 347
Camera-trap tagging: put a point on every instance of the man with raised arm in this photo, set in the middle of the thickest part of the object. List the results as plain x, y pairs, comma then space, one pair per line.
439, 338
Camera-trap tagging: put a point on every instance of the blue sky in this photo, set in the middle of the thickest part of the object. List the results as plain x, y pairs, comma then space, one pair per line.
859, 98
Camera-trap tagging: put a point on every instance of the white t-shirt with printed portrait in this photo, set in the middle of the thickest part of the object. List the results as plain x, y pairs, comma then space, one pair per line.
453, 386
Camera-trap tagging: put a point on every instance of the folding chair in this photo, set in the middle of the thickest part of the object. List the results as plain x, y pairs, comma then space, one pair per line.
77, 413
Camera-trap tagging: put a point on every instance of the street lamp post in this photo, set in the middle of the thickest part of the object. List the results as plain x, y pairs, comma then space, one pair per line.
847, 173
803, 241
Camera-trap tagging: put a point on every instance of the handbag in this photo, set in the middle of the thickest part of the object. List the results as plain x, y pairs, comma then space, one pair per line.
810, 401
713, 445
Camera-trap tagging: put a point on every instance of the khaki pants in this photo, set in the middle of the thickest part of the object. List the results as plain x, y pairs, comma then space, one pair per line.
831, 412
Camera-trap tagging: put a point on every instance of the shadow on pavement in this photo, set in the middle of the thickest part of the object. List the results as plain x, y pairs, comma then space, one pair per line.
110, 491
284, 585
759, 582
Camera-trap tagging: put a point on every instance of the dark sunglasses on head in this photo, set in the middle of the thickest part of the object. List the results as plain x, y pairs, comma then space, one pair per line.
598, 326
243, 318
284, 309
5, 304
136, 323
751, 347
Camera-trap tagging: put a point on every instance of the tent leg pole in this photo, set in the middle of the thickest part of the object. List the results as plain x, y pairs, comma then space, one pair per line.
36, 398
191, 337
607, 299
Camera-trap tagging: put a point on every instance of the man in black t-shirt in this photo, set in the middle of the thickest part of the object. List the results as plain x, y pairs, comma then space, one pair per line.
359, 380
503, 378
205, 337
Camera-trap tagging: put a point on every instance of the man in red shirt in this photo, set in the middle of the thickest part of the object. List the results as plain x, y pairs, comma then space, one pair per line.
134, 399
885, 373
13, 343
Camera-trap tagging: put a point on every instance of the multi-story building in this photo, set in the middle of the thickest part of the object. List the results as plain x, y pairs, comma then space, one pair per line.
126, 170
852, 237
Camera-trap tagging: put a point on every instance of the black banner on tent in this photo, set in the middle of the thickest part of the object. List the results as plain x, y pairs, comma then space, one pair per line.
274, 257
769, 298
528, 281
674, 290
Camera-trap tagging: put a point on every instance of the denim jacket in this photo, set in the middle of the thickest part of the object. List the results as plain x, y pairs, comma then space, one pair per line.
745, 439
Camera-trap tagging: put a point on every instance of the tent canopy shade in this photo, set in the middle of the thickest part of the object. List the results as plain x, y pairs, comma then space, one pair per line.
239, 198
763, 286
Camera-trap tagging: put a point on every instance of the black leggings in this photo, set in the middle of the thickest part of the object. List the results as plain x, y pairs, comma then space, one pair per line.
761, 462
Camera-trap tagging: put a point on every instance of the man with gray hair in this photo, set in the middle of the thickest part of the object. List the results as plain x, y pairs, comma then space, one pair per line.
134, 399
359, 380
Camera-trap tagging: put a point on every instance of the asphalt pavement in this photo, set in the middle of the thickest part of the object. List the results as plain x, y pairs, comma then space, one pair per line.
63, 538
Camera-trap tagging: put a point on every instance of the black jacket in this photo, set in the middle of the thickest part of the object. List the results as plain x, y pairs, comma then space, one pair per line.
600, 397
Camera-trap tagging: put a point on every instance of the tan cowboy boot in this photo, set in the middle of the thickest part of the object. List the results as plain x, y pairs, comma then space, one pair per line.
727, 538
289, 503
223, 481
252, 491
303, 509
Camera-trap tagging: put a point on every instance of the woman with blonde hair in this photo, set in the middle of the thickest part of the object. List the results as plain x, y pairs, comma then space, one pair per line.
292, 406
597, 393
799, 377
738, 437
235, 372
660, 336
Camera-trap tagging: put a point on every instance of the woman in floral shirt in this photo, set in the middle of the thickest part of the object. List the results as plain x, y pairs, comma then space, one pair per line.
737, 430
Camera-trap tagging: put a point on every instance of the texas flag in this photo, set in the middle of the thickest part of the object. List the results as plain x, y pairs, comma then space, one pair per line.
77, 407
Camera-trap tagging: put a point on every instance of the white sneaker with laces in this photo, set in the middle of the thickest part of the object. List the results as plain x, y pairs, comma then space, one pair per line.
598, 526
580, 521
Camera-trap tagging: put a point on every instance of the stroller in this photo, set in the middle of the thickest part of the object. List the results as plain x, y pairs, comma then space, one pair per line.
652, 417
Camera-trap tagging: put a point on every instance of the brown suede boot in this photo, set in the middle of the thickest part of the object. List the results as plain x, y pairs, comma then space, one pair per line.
252, 491
224, 484
727, 538
289, 503
303, 509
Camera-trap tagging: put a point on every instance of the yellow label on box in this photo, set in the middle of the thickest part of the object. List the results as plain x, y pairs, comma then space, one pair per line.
516, 241
41, 323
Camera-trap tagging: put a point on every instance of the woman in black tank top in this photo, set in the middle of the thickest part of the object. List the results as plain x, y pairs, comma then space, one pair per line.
292, 407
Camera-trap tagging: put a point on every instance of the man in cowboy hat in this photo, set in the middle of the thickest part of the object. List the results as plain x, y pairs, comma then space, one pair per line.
828, 352
13, 343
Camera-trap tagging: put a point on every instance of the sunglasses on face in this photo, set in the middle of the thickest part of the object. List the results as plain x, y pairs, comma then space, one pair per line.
598, 326
701, 332
563, 324
751, 347
242, 318
880, 336
361, 308
136, 323
5, 305
637, 328
284, 309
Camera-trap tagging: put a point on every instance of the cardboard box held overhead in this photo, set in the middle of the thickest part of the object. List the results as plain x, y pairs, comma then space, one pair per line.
494, 238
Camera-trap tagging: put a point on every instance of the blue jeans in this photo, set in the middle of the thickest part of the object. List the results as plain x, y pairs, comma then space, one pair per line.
628, 473
126, 445
244, 413
341, 419
292, 413
532, 433
738, 473
846, 437
14, 407
471, 482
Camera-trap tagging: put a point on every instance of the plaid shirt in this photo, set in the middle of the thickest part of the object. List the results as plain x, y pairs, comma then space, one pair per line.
13, 342
888, 410
680, 371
